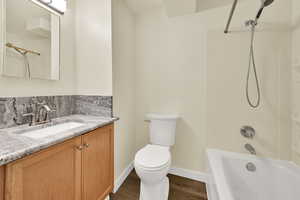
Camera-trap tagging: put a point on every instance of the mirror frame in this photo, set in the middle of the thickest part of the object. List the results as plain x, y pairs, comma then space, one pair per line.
55, 43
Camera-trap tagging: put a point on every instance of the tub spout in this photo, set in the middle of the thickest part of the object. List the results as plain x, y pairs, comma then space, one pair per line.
250, 148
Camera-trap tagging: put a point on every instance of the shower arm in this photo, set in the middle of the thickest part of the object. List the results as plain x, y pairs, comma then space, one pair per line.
230, 16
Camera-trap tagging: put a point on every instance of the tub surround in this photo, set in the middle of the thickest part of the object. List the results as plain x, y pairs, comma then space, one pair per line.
13, 107
15, 146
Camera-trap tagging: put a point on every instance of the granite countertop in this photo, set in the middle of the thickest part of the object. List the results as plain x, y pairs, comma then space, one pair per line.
14, 145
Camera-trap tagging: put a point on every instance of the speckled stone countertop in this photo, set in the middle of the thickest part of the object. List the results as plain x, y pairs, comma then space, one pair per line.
14, 145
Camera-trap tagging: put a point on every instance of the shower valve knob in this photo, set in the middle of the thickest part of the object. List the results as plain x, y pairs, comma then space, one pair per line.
247, 132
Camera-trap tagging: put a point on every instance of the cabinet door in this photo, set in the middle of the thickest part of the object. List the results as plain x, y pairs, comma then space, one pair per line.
52, 174
2, 174
98, 167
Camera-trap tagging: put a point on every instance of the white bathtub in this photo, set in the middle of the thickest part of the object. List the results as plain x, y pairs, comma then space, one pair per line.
230, 180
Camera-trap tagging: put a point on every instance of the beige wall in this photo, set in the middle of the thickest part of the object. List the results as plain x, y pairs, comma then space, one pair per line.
186, 65
227, 108
93, 47
67, 84
123, 84
170, 79
296, 79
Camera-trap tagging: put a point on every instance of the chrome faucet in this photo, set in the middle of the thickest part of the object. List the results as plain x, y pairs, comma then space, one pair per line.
250, 148
40, 113
43, 113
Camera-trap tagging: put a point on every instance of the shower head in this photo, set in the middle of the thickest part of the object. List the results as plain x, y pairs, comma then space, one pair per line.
264, 3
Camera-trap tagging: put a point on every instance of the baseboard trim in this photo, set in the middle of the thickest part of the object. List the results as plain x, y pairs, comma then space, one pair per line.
190, 174
120, 180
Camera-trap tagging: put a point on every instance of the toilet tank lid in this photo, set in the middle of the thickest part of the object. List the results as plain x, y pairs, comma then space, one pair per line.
156, 116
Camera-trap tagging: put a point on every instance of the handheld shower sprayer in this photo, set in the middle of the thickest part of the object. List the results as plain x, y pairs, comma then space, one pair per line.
252, 63
252, 23
264, 3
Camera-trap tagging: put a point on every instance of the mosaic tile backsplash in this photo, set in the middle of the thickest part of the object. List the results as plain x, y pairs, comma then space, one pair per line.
11, 108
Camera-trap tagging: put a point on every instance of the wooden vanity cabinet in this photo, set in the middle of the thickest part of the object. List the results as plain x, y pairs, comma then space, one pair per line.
78, 169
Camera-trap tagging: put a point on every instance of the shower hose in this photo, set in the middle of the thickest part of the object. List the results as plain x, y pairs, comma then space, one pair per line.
253, 104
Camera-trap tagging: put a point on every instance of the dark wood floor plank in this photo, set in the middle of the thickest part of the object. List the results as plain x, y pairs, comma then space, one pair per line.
180, 189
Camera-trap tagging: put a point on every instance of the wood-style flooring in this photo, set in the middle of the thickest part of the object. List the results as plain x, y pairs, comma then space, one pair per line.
180, 189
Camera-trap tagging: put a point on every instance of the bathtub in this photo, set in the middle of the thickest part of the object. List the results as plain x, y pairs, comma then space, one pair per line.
229, 178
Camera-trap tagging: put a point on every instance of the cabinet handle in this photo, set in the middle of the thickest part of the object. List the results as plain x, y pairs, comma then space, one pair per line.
86, 145
80, 147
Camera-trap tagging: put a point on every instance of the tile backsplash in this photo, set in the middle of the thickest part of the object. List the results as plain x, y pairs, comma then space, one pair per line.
11, 108
93, 105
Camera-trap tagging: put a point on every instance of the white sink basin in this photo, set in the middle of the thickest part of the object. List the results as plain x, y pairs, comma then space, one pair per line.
52, 130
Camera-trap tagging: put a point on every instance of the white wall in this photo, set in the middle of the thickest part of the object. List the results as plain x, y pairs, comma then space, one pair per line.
123, 84
67, 83
187, 65
93, 47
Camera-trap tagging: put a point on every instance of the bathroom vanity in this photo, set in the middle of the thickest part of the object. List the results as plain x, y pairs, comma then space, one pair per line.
77, 164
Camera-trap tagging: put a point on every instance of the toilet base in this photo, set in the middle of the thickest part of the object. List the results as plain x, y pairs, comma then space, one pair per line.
158, 191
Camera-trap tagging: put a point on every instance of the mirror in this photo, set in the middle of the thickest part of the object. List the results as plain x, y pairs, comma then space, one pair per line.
29, 41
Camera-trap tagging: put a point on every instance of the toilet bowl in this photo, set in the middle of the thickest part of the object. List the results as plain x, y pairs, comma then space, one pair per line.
152, 164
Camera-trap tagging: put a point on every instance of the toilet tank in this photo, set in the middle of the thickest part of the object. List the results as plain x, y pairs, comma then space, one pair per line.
162, 129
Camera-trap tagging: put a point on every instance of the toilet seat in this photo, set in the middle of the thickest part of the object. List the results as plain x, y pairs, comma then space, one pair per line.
153, 157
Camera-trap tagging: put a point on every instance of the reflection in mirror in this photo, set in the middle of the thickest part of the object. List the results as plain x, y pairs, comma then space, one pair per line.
30, 41
185, 7
55, 6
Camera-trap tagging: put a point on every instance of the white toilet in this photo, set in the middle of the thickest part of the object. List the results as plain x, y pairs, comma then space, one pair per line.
153, 162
